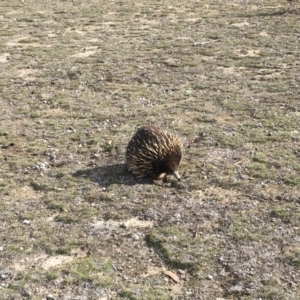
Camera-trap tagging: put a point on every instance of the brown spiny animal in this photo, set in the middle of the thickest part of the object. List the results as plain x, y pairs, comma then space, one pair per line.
154, 152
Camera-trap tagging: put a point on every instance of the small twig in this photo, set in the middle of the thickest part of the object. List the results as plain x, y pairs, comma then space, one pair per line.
114, 267
195, 231
238, 162
250, 196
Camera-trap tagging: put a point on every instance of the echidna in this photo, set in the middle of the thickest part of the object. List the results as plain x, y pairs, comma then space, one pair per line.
154, 152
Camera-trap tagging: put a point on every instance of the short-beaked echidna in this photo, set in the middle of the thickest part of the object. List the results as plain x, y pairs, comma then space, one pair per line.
154, 152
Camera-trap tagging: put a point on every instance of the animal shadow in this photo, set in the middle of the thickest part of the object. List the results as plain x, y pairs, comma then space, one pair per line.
110, 174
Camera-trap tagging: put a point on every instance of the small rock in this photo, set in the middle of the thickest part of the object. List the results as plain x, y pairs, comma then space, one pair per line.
50, 297
236, 288
177, 216
4, 274
135, 236
124, 225
209, 277
26, 293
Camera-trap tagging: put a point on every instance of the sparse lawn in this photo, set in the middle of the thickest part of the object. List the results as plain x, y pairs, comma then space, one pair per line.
78, 77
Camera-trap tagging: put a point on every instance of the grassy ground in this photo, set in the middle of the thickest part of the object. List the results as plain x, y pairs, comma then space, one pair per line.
77, 78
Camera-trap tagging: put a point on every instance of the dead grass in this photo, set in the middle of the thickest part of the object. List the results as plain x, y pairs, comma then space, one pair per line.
78, 78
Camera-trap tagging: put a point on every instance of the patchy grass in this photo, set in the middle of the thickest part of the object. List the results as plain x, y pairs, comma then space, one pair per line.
291, 255
138, 292
78, 78
180, 250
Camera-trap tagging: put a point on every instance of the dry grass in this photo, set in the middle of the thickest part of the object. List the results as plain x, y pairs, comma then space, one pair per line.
76, 78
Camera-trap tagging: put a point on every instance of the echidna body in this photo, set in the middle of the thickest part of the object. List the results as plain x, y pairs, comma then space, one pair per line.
154, 152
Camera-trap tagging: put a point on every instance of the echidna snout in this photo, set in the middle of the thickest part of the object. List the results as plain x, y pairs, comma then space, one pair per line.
176, 174
154, 152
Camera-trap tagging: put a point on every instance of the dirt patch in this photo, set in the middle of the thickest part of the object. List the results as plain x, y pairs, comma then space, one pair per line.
87, 52
24, 193
46, 262
4, 57
132, 223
